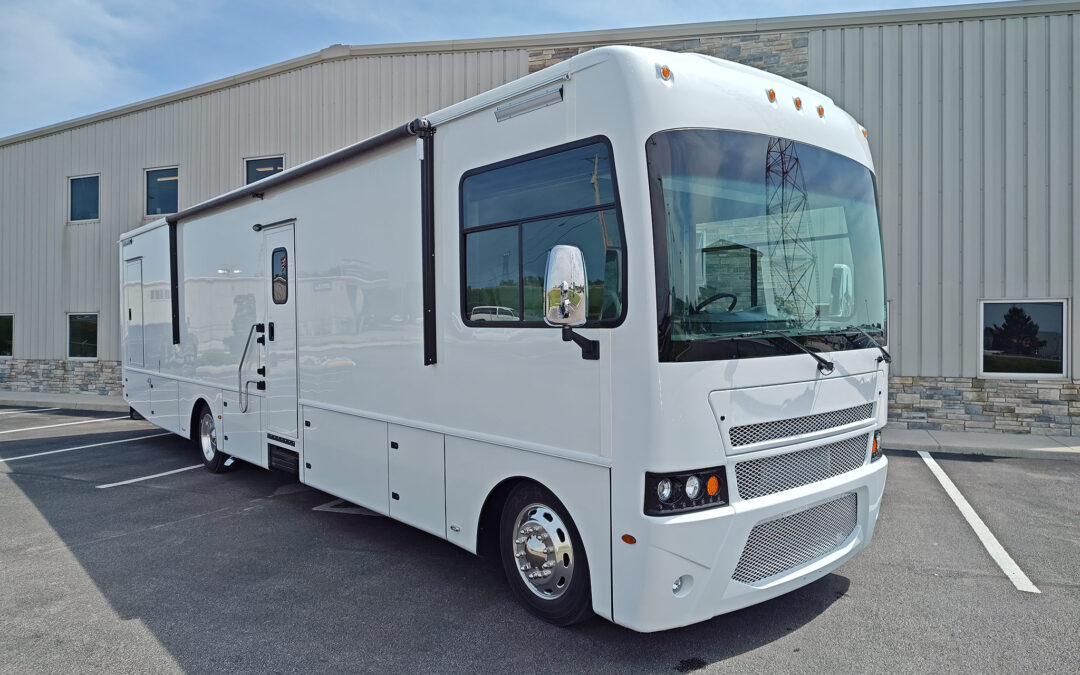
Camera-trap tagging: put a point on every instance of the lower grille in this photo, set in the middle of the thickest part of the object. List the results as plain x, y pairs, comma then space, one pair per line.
776, 546
769, 475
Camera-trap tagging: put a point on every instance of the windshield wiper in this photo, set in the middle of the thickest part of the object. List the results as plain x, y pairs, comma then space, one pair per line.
884, 354
824, 366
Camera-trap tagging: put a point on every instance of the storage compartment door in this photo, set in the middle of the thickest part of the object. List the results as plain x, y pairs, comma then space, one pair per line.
345, 455
417, 479
133, 313
165, 403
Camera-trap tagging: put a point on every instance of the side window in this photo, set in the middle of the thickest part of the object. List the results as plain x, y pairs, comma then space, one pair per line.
162, 191
513, 213
83, 198
279, 272
7, 328
82, 336
257, 169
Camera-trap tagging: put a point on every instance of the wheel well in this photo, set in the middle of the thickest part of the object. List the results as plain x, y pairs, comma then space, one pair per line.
487, 533
195, 410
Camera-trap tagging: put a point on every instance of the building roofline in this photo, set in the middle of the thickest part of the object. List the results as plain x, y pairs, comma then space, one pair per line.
336, 52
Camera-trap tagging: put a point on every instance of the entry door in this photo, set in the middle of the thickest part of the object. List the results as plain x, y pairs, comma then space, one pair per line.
133, 312
279, 411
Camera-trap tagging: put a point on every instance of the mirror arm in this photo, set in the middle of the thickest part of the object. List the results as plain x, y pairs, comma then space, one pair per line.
590, 349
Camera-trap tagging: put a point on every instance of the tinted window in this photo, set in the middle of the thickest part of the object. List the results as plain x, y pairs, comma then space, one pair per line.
82, 335
514, 214
1023, 337
84, 198
6, 329
162, 191
279, 266
257, 169
573, 179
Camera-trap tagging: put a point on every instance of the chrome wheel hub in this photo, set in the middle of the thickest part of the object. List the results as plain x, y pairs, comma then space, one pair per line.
543, 551
207, 437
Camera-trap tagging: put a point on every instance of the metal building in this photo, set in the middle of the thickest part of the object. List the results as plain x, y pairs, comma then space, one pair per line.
973, 115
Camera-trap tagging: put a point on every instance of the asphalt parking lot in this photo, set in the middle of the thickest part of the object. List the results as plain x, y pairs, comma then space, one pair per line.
248, 571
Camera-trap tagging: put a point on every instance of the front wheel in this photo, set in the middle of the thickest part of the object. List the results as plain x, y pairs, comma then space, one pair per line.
206, 442
542, 556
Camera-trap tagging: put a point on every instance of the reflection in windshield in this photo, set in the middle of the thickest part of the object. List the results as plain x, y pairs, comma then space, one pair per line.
759, 233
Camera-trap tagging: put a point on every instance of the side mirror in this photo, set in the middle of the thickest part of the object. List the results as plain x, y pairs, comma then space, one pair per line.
566, 291
842, 302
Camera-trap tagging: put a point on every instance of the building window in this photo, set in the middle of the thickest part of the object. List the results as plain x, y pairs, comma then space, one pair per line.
162, 193
514, 212
82, 336
7, 337
83, 198
1023, 338
257, 169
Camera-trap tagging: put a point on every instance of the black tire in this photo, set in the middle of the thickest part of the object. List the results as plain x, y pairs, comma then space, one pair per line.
204, 436
533, 513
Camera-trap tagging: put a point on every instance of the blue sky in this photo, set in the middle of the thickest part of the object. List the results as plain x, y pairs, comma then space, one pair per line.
61, 59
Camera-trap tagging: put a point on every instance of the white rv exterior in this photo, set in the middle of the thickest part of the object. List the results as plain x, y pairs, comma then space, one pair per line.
293, 312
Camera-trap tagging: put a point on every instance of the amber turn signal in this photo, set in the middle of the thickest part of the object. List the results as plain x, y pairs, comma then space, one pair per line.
712, 486
629, 539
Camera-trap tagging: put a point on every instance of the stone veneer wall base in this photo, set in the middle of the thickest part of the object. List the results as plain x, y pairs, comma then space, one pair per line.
1046, 407
60, 376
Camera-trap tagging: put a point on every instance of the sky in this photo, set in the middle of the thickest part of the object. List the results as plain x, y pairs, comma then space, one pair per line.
62, 59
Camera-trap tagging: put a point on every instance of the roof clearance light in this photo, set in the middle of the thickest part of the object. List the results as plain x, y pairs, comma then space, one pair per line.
821, 111
771, 94
665, 72
864, 132
798, 103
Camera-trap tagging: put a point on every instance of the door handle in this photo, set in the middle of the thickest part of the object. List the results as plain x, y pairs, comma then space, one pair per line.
271, 331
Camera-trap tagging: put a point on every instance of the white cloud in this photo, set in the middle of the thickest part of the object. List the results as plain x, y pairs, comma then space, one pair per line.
64, 58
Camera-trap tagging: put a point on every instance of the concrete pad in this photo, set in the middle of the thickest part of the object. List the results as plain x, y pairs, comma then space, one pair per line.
995, 444
87, 401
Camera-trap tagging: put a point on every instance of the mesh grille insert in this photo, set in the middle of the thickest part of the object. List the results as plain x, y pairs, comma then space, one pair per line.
769, 475
796, 426
776, 546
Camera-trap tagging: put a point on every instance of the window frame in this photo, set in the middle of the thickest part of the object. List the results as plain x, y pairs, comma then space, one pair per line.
991, 375
463, 231
4, 357
97, 335
243, 168
146, 192
84, 220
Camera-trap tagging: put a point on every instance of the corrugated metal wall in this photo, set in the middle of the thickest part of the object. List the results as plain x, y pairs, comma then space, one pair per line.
49, 268
974, 127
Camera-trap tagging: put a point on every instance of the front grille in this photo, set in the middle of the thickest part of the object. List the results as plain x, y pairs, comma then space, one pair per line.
768, 475
796, 426
776, 546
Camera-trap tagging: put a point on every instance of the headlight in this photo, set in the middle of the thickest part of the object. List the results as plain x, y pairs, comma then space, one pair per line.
667, 493
693, 487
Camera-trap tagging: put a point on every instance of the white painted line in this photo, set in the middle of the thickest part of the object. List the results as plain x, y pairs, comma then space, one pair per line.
156, 475
65, 424
83, 447
23, 412
993, 547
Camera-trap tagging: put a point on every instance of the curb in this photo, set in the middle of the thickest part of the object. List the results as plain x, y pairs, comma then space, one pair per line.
106, 404
988, 445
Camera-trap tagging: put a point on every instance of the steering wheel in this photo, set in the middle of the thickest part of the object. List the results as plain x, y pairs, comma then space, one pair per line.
713, 298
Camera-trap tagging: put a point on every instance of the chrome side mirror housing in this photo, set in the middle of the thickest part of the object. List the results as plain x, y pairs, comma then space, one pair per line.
566, 289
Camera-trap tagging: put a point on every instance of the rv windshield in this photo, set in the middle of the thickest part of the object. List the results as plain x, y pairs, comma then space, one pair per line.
759, 233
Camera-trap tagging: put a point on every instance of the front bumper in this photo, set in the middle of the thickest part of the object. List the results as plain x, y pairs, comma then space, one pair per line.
704, 550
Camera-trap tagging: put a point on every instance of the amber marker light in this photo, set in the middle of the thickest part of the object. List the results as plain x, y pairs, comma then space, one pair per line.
771, 94
821, 111
798, 103
874, 449
629, 539
712, 486
864, 132
665, 72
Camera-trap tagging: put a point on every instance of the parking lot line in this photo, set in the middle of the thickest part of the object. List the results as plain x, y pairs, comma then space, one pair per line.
156, 475
82, 447
22, 412
65, 424
989, 541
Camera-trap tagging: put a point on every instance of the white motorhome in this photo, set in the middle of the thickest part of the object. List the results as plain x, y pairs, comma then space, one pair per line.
697, 433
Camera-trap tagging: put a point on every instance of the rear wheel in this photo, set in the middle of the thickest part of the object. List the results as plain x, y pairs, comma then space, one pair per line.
542, 556
206, 442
